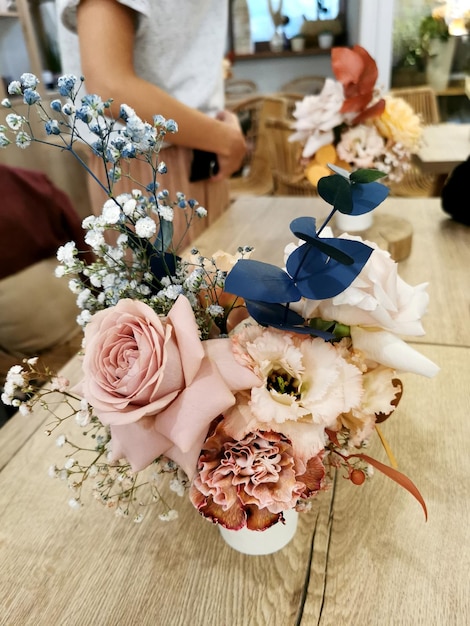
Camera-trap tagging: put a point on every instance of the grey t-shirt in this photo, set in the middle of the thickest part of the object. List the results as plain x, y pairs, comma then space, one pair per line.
179, 46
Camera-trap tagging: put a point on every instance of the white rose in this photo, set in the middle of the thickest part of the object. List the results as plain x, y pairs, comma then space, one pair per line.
377, 298
316, 116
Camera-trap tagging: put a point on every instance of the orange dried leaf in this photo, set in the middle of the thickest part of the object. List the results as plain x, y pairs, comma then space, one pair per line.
397, 476
387, 448
344, 164
326, 154
315, 172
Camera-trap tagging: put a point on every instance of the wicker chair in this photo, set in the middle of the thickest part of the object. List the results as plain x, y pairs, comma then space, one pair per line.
291, 99
255, 177
306, 85
237, 89
414, 183
240, 87
288, 177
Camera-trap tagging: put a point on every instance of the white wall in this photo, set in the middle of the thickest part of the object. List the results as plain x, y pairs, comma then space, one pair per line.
375, 35
270, 74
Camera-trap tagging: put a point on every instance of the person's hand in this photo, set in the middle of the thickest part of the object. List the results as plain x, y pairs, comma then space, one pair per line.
231, 160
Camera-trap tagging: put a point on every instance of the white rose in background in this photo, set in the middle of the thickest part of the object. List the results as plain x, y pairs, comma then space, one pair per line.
377, 298
378, 305
316, 116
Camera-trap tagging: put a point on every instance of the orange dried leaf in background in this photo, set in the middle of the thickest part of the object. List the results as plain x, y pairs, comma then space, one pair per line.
344, 164
325, 154
375, 110
314, 172
357, 71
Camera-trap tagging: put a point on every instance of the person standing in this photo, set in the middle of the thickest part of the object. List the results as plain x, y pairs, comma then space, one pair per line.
161, 57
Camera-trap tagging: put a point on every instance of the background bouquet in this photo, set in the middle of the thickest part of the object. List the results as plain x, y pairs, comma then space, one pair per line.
243, 383
351, 124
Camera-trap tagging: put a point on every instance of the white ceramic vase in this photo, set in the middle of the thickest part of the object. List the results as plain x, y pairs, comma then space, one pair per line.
439, 63
353, 223
259, 542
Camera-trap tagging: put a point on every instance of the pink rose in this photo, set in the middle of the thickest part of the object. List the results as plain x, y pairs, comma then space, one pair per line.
154, 382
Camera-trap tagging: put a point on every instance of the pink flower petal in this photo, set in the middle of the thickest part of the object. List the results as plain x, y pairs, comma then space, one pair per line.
137, 442
236, 376
186, 330
187, 419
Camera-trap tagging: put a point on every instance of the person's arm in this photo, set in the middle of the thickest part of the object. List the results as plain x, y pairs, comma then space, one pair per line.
106, 31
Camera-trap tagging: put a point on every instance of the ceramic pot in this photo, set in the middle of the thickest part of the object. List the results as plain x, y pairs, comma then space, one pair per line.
297, 44
439, 63
353, 223
258, 542
325, 40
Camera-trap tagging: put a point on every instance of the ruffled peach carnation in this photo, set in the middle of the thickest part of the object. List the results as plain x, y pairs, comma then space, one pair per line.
252, 481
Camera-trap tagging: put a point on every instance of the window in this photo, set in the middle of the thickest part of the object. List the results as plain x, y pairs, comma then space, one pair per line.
262, 28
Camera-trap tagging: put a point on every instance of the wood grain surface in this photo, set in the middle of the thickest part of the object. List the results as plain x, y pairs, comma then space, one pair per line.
375, 561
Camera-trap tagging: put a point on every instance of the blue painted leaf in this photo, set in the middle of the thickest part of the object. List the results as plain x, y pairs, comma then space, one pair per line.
339, 170
304, 227
160, 264
255, 280
306, 330
319, 276
269, 314
365, 197
327, 246
336, 190
282, 317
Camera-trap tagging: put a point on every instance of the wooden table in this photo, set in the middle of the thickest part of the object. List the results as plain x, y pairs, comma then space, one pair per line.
444, 147
362, 555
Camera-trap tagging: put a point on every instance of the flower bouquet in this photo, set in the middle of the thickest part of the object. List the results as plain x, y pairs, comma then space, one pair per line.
243, 384
349, 123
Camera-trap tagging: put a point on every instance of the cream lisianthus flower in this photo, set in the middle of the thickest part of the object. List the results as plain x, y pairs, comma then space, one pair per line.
400, 123
316, 116
307, 384
381, 388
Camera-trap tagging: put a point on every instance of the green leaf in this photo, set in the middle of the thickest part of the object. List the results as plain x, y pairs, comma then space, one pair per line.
336, 190
366, 176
